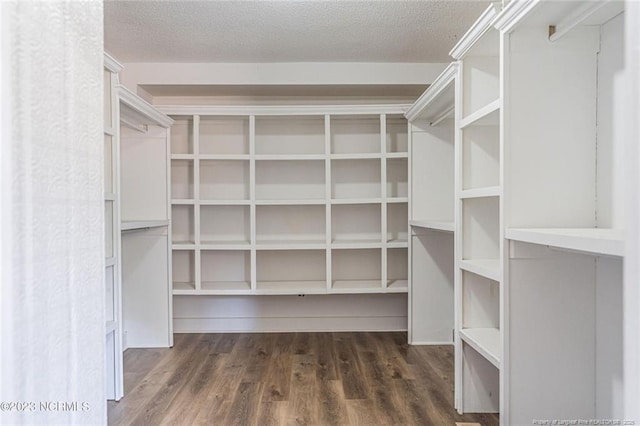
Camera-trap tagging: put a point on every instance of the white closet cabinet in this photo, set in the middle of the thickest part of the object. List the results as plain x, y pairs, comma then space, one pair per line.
289, 200
564, 213
479, 289
431, 289
113, 306
145, 226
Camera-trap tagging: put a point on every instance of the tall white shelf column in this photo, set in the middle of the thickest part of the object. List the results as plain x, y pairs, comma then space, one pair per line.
431, 219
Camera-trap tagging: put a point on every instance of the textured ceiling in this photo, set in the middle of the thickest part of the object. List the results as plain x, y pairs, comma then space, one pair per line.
286, 31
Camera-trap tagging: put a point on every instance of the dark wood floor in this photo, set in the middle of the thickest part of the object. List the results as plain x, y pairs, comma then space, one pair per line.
290, 379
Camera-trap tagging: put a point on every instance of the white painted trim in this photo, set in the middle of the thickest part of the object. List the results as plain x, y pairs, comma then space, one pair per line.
424, 343
513, 14
112, 63
576, 17
320, 110
134, 108
475, 33
443, 82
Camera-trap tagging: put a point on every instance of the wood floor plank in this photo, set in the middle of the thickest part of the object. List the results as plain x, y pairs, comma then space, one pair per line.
303, 398
291, 379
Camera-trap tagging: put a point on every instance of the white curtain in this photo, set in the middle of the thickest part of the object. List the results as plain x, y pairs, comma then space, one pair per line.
52, 213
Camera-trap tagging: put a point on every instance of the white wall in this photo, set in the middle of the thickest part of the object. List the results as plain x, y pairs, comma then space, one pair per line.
52, 341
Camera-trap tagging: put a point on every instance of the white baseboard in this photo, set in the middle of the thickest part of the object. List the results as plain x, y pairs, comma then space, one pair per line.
279, 324
418, 343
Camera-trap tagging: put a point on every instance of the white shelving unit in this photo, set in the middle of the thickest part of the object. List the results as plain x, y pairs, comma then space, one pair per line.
289, 200
564, 212
479, 288
432, 168
113, 289
145, 222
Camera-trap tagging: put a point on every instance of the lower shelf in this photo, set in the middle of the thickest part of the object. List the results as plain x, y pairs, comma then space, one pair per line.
488, 268
212, 288
291, 287
486, 341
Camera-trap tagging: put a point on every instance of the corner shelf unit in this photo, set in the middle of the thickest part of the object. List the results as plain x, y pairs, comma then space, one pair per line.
564, 65
432, 168
289, 200
113, 287
479, 288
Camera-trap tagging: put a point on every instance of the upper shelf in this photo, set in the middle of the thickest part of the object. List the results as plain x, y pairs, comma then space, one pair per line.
136, 112
591, 240
438, 100
433, 224
131, 225
560, 15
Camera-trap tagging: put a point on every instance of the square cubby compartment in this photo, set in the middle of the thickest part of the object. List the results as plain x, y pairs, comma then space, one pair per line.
480, 302
224, 180
355, 179
397, 137
290, 180
290, 224
353, 223
359, 134
225, 269
397, 177
481, 80
356, 269
397, 223
182, 224
182, 135
481, 228
291, 271
225, 224
290, 135
481, 156
397, 268
183, 269
181, 179
224, 135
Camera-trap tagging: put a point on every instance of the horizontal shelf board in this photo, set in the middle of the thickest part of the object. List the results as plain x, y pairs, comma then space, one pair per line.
486, 341
182, 156
488, 115
399, 200
488, 268
179, 202
110, 261
108, 130
183, 245
397, 244
397, 155
110, 327
356, 156
291, 287
591, 240
183, 286
433, 224
400, 286
290, 157
490, 191
291, 244
290, 202
295, 110
356, 244
224, 202
142, 224
225, 245
338, 285
356, 201
109, 196
239, 157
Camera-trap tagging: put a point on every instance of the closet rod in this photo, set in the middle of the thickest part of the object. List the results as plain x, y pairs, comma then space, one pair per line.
442, 116
575, 18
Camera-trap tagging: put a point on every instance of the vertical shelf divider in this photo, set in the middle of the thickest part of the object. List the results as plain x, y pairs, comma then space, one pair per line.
383, 189
327, 179
196, 202
252, 195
